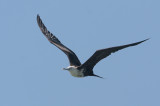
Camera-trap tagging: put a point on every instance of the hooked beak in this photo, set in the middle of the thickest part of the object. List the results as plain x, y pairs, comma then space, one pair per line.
64, 69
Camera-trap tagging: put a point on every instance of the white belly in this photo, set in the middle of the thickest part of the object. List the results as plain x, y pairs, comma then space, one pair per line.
76, 73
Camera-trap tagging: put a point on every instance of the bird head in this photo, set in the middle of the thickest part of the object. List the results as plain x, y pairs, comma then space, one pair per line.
66, 68
69, 68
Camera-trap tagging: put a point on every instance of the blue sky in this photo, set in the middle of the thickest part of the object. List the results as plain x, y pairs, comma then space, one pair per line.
31, 68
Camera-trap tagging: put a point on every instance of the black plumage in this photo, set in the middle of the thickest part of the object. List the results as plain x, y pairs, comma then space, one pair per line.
87, 67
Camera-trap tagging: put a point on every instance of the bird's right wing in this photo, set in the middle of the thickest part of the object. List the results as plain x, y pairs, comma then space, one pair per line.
73, 59
103, 53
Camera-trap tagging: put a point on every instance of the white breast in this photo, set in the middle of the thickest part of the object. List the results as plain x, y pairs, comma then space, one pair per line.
76, 73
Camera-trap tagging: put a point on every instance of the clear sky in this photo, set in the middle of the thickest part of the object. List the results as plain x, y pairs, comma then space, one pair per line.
31, 68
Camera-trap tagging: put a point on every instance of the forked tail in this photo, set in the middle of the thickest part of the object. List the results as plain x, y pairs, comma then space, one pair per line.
97, 76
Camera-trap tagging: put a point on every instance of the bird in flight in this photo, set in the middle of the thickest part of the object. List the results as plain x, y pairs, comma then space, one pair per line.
77, 69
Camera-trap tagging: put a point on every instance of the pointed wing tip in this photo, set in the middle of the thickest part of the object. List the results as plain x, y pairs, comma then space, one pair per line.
144, 40
40, 23
38, 17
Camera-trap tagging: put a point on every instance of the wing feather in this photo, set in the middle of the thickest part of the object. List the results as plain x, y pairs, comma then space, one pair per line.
73, 59
103, 53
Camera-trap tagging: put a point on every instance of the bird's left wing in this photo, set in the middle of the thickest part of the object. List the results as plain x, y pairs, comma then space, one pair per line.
101, 54
73, 59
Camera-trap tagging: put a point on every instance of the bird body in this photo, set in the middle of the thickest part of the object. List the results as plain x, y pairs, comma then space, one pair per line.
74, 71
76, 68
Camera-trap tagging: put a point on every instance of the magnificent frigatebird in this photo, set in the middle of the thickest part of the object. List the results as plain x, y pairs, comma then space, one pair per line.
76, 68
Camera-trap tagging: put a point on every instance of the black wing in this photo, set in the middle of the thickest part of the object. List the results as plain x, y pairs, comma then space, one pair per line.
73, 59
101, 54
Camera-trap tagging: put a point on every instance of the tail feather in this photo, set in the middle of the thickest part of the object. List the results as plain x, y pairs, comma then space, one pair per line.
97, 76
